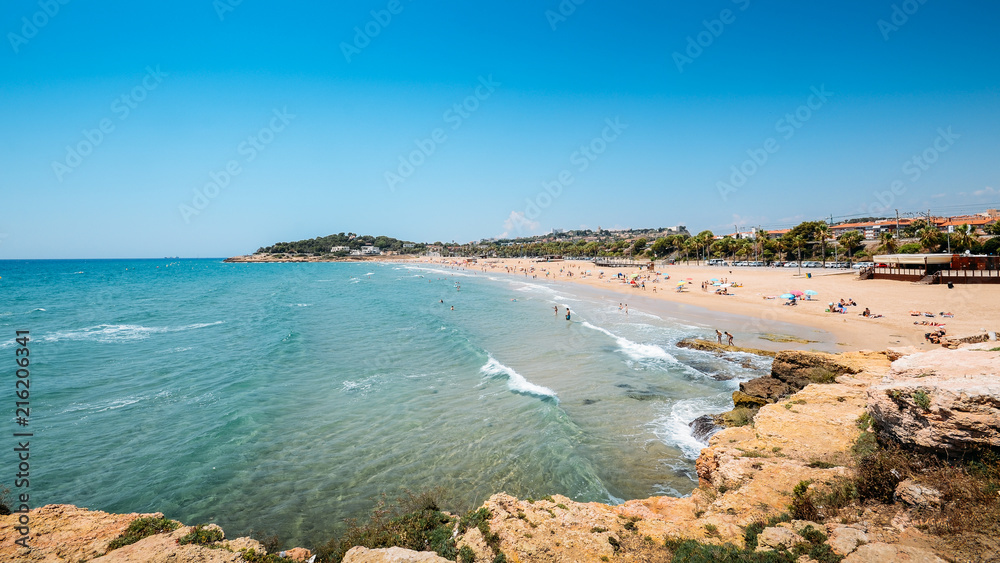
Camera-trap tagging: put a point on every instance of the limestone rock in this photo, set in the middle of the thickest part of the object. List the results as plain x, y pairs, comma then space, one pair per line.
391, 555
768, 388
297, 554
917, 495
942, 400
845, 539
886, 553
798, 368
777, 539
68, 534
63, 532
163, 548
741, 399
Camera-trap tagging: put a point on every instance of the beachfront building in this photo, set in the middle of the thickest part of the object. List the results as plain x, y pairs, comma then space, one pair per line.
871, 229
977, 222
370, 251
935, 268
340, 249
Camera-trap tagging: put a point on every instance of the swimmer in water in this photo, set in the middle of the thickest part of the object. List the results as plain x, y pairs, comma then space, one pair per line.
555, 309
567, 313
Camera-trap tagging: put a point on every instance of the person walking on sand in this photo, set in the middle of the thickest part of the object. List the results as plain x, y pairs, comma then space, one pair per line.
718, 336
730, 337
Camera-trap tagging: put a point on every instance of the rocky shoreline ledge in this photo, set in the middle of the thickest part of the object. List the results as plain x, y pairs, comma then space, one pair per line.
789, 473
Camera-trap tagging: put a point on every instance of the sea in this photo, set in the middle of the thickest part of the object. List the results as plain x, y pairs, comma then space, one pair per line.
285, 398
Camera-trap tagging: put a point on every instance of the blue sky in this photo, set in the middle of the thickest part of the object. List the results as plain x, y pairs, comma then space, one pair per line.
201, 128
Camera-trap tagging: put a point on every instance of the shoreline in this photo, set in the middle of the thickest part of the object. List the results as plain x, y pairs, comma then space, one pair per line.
975, 308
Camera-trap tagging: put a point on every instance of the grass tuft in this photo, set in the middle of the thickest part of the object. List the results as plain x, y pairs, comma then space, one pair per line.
142, 528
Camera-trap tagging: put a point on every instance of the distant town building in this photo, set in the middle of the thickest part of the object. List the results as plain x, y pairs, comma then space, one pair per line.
340, 249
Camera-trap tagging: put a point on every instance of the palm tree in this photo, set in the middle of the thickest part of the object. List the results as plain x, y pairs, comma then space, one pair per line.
930, 238
965, 236
689, 245
798, 242
850, 239
704, 239
823, 232
745, 248
887, 242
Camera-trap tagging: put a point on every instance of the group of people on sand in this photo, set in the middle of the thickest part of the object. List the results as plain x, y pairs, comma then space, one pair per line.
842, 307
729, 337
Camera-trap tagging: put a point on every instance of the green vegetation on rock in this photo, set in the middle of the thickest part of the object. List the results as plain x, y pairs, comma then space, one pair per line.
143, 528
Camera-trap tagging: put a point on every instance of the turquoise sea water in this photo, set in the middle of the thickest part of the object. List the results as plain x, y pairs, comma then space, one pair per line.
286, 397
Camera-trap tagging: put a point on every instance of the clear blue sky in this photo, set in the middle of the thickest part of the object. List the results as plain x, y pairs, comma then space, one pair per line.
313, 119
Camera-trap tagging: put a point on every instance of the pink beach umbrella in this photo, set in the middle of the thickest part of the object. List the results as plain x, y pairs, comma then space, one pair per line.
797, 293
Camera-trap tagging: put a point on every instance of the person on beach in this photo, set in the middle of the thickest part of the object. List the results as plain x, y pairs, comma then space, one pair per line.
567, 313
555, 309
452, 307
718, 335
730, 337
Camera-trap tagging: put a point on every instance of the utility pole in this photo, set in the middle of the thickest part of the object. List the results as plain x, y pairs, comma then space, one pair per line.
897, 224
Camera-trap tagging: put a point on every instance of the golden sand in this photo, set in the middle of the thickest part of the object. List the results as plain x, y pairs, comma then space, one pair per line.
975, 307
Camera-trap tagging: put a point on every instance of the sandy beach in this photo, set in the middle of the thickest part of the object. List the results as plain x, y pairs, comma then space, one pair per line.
756, 296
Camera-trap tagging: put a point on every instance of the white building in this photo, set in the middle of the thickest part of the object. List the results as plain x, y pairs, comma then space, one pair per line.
370, 250
340, 249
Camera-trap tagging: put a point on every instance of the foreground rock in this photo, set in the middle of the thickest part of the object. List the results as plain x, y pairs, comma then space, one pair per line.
792, 371
67, 534
943, 400
391, 555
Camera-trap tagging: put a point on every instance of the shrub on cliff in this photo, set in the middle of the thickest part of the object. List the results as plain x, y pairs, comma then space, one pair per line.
142, 528
413, 522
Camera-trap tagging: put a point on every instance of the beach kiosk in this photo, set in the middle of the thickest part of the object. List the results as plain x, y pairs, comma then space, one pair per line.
936, 268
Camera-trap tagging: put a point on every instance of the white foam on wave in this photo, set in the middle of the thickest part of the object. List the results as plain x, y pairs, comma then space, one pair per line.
673, 428
635, 350
515, 381
362, 386
119, 333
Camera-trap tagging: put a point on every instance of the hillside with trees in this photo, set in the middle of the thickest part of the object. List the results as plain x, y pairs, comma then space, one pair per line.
322, 245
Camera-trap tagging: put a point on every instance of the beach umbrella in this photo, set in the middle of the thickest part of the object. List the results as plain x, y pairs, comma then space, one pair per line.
811, 292
717, 283
680, 284
714, 279
786, 296
796, 293
689, 279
